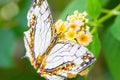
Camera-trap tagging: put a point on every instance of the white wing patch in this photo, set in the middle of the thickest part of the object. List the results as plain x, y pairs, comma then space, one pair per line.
65, 53
40, 19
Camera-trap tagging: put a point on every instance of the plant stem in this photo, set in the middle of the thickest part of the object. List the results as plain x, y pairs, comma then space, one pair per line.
93, 30
105, 10
106, 17
110, 14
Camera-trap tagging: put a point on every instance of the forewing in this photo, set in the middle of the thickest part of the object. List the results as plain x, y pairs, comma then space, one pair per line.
40, 20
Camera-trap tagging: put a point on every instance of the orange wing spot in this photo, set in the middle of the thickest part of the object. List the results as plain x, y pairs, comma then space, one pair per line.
33, 17
70, 75
84, 72
44, 63
66, 69
32, 23
36, 63
67, 65
39, 57
42, 67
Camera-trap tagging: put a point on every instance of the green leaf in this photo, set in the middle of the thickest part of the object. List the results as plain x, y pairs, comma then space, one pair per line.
112, 53
79, 5
95, 46
94, 8
115, 29
104, 2
7, 42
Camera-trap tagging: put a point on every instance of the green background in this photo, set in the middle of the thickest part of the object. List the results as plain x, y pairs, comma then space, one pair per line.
104, 24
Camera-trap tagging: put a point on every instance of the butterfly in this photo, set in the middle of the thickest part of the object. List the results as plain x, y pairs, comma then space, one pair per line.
52, 59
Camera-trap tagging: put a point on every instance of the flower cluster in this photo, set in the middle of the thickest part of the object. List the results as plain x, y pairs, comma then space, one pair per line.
74, 29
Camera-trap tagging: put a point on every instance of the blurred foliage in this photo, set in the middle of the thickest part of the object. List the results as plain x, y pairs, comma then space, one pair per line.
112, 47
104, 19
94, 8
7, 48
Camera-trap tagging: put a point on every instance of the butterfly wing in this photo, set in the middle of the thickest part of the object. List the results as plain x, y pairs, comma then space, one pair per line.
64, 58
68, 58
40, 22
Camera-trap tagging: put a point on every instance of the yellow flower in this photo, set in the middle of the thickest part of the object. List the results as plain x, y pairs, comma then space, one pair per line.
61, 26
70, 34
76, 25
85, 14
78, 16
59, 22
84, 38
73, 26
87, 28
